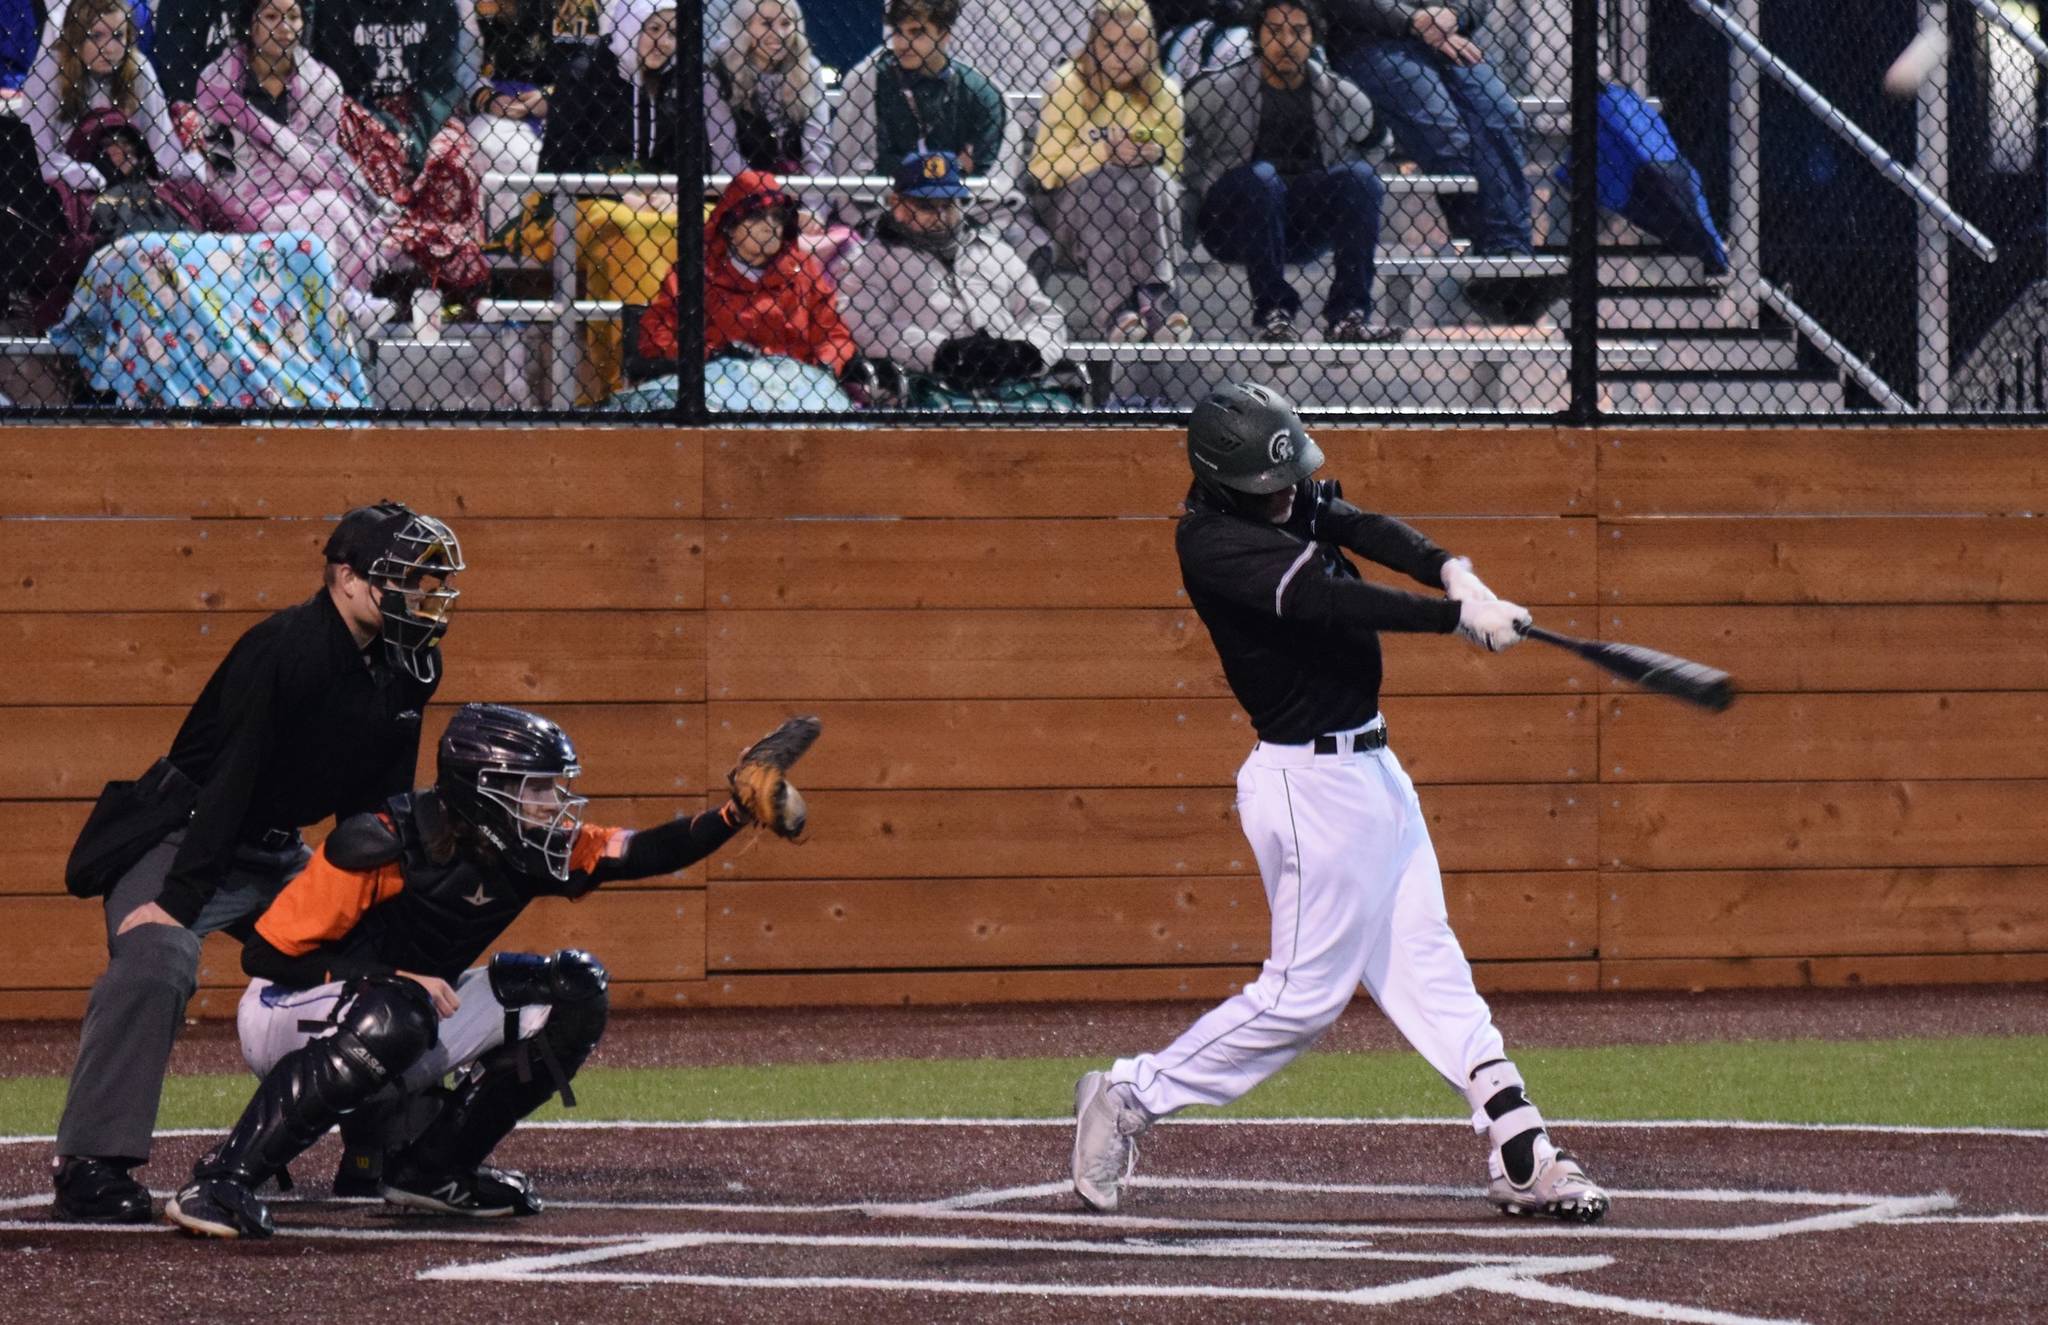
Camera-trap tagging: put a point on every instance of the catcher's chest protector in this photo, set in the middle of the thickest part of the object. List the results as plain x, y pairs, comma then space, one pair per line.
444, 918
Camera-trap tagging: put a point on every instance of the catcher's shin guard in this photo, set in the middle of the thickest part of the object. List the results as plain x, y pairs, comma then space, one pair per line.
382, 1028
502, 1088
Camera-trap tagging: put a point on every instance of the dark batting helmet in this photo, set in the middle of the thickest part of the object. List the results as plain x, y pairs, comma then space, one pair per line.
412, 559
1246, 438
506, 773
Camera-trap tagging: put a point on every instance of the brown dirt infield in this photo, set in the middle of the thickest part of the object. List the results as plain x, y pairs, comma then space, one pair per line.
1235, 1221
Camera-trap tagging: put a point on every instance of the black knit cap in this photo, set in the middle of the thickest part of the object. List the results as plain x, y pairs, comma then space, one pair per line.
365, 534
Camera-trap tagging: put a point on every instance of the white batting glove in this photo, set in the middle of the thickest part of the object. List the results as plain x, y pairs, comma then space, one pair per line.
1490, 623
1462, 585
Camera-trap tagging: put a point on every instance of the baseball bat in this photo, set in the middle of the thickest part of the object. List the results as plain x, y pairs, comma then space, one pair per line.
1660, 673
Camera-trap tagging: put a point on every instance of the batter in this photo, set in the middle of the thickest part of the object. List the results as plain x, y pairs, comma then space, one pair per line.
1333, 820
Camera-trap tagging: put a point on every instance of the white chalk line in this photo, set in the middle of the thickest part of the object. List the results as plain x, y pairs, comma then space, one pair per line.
1571, 1124
1531, 1290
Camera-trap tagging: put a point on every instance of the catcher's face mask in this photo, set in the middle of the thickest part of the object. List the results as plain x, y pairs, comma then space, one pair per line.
541, 813
413, 578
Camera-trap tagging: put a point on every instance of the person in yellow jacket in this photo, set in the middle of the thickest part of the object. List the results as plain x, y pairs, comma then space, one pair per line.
1108, 155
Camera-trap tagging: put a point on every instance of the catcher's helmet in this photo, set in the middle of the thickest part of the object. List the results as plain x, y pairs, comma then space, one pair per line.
506, 773
400, 551
1246, 438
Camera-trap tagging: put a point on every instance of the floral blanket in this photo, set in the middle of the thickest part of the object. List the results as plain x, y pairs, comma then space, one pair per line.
198, 321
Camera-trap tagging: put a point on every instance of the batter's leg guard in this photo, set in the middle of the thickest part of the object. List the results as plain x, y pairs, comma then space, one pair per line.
382, 1028
444, 1170
1526, 1173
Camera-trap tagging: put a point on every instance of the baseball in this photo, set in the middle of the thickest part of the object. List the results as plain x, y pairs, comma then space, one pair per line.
1915, 63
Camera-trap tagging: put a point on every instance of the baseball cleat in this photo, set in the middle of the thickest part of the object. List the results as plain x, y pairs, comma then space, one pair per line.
96, 1191
1107, 1122
1558, 1188
487, 1193
217, 1208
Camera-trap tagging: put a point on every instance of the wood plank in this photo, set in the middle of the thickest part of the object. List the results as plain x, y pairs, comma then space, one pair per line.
1878, 560
1061, 562
909, 923
1053, 653
647, 935
526, 658
1991, 646
1066, 472
36, 836
1827, 737
1793, 825
1125, 832
1196, 985
264, 565
268, 471
1146, 742
1823, 912
1701, 974
1835, 471
69, 752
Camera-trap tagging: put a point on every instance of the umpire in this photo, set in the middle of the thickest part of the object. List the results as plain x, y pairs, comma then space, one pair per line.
315, 712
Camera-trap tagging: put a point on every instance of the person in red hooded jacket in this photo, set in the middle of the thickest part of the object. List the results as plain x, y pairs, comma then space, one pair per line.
762, 293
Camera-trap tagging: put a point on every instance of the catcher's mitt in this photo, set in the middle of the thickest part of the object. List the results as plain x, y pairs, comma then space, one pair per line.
759, 783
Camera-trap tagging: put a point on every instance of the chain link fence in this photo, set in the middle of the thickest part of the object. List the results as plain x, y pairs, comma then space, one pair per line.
1534, 210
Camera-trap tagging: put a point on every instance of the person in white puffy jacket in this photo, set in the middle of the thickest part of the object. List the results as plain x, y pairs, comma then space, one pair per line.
932, 294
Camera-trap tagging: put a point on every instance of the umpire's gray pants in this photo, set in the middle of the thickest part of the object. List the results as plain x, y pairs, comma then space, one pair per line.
138, 1004
1113, 222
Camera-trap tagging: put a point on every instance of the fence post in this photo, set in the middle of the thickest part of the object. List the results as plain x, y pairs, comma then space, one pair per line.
695, 153
1584, 405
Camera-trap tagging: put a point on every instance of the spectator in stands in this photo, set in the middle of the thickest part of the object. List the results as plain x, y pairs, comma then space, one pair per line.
401, 64
528, 47
284, 110
762, 294
910, 96
623, 108
1276, 174
1420, 62
764, 93
1018, 45
1108, 152
20, 37
930, 294
91, 60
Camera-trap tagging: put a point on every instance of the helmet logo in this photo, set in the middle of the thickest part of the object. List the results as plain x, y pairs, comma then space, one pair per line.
1280, 447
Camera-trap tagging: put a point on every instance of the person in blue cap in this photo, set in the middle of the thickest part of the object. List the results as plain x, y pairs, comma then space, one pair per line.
934, 293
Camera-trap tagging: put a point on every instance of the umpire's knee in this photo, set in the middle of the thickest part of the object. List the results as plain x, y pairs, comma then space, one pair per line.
153, 959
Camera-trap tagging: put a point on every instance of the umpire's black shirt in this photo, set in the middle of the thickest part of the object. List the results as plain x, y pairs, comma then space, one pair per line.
1295, 624
296, 724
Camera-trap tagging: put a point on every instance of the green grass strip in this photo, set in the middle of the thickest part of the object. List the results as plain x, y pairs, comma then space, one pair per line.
1908, 1082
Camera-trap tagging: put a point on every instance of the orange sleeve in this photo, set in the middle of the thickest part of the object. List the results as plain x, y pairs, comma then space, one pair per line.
595, 843
324, 902
658, 323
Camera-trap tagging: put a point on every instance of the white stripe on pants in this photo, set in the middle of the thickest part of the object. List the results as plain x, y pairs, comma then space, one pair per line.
1356, 897
269, 1028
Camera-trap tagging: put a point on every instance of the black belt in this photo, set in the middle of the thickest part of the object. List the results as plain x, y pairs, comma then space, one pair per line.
273, 839
1362, 743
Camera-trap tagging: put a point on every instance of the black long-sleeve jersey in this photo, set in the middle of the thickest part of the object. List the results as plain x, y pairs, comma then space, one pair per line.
1296, 625
390, 892
296, 724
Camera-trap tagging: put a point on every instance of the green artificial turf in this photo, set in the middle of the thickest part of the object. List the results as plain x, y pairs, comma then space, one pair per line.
1912, 1082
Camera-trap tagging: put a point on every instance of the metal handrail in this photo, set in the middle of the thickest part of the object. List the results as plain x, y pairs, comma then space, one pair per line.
1842, 356
1923, 193
2015, 29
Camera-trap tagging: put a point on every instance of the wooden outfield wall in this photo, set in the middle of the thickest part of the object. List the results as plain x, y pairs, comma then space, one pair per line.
1024, 787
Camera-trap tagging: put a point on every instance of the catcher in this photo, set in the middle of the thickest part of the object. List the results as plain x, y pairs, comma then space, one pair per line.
364, 994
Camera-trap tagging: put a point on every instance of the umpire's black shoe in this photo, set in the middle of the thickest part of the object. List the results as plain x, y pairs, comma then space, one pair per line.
487, 1193
97, 1191
218, 1208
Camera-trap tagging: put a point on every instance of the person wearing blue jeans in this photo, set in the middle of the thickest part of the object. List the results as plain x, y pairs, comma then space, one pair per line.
1449, 110
1276, 173
1256, 217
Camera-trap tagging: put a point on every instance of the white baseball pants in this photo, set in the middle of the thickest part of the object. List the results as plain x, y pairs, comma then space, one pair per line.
268, 1018
1356, 897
